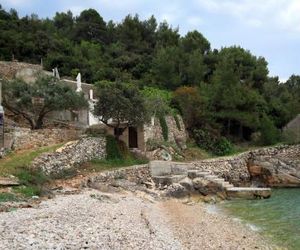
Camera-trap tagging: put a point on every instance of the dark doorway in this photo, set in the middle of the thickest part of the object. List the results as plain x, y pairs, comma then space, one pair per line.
133, 137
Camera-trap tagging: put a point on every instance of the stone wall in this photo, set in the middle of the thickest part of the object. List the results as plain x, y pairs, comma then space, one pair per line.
153, 131
233, 169
274, 166
24, 138
71, 155
139, 174
9, 70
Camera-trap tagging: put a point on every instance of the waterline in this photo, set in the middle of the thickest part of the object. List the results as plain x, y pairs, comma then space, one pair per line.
277, 218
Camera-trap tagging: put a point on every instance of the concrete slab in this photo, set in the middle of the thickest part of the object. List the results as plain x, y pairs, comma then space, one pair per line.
160, 168
248, 192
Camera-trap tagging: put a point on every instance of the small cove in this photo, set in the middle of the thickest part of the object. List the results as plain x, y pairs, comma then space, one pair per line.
277, 218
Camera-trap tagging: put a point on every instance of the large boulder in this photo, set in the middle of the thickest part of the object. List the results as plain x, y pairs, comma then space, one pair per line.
205, 187
176, 190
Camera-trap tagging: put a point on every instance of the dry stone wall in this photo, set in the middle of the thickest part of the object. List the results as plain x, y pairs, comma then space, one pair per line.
9, 70
233, 169
139, 174
71, 155
24, 138
154, 131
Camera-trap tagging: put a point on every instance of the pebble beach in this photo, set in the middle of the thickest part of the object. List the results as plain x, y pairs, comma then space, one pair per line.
96, 220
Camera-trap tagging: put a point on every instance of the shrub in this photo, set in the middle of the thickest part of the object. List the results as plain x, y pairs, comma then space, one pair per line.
177, 122
222, 147
164, 127
269, 133
204, 139
212, 142
112, 148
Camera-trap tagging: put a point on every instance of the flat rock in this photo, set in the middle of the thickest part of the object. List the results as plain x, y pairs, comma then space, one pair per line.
9, 181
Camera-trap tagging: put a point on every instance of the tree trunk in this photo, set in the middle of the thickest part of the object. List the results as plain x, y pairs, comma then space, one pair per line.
118, 132
39, 122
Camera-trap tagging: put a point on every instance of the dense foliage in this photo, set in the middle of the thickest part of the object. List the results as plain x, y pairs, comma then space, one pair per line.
120, 105
219, 93
35, 101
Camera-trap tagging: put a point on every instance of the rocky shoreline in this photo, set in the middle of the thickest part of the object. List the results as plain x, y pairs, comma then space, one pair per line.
123, 220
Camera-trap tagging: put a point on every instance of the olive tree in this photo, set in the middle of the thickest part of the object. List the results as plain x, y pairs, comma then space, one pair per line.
35, 101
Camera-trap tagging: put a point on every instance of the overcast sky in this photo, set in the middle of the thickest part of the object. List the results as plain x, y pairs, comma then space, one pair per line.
268, 28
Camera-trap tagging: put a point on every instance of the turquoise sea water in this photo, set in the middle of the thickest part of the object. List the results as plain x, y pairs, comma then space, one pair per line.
277, 218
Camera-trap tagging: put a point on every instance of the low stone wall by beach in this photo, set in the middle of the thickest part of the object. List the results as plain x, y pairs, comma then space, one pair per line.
274, 166
233, 169
138, 174
71, 155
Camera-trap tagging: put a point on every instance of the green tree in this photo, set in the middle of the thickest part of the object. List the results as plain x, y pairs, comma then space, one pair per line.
158, 102
90, 26
165, 69
194, 40
120, 105
33, 102
191, 106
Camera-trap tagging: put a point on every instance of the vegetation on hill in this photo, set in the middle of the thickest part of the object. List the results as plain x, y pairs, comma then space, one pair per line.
223, 95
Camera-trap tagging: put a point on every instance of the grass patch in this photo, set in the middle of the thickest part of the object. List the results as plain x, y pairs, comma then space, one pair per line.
28, 191
7, 197
31, 180
16, 160
194, 153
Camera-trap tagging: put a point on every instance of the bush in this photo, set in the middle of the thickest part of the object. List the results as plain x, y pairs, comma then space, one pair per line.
164, 127
212, 142
177, 122
112, 148
269, 133
223, 147
204, 139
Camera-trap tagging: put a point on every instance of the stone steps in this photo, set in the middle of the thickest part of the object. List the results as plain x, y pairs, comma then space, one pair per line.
243, 192
167, 173
168, 179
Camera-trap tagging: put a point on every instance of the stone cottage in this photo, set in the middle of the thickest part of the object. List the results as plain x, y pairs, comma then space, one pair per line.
134, 137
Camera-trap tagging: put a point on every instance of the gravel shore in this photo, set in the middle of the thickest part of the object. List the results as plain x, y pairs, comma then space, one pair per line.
95, 220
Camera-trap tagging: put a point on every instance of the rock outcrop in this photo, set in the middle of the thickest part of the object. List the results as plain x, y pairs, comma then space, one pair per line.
275, 167
272, 167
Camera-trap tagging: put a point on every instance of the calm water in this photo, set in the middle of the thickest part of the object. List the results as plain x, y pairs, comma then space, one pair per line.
278, 218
